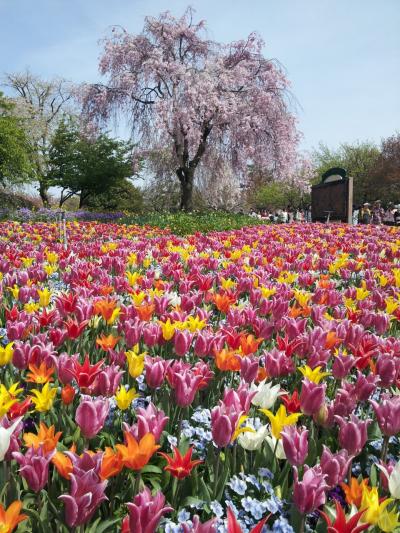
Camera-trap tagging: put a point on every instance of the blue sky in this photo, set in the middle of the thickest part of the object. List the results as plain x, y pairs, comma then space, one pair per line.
342, 56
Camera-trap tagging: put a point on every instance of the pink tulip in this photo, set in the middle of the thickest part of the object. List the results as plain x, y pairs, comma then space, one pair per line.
91, 415
310, 493
149, 420
352, 433
312, 397
182, 341
34, 467
387, 412
145, 512
334, 466
295, 444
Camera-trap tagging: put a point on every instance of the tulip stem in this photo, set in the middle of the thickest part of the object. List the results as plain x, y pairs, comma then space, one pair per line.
137, 484
302, 524
216, 472
385, 446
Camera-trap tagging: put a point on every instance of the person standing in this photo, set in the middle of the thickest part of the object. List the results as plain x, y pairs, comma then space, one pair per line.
356, 213
365, 214
377, 213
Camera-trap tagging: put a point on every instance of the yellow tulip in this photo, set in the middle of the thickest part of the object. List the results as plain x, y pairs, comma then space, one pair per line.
135, 363
240, 429
6, 353
44, 399
44, 297
280, 420
315, 375
125, 397
168, 329
370, 502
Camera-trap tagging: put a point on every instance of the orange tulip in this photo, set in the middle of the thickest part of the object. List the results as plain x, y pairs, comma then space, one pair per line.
107, 342
40, 374
105, 308
223, 302
249, 344
354, 491
106, 290
136, 455
111, 464
67, 394
227, 360
11, 517
145, 311
63, 464
45, 438
261, 374
332, 340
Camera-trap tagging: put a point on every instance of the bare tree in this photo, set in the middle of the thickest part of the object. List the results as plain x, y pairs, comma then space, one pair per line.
42, 104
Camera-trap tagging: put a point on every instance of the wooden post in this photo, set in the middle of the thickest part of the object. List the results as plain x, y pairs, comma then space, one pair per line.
350, 201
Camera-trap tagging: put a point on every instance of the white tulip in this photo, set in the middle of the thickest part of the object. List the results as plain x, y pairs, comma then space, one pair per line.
280, 452
5, 437
266, 395
253, 441
394, 480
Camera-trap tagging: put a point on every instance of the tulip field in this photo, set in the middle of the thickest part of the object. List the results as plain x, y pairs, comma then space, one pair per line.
235, 381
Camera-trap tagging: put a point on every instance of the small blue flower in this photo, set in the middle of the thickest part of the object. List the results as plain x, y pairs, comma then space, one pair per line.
253, 506
265, 472
281, 525
173, 441
237, 485
217, 509
183, 516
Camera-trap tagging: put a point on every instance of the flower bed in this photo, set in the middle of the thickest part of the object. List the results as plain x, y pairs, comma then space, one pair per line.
223, 382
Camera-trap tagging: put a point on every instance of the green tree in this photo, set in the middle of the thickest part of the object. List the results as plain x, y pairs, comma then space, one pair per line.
85, 166
41, 104
359, 160
123, 196
15, 162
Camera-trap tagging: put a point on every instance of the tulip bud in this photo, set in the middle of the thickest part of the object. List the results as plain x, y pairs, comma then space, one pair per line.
295, 444
67, 394
312, 397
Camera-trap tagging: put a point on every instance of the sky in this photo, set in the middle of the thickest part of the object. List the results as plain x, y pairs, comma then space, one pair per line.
341, 56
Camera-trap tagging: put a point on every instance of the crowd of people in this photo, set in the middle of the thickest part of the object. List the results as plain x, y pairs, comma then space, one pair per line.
368, 213
377, 214
284, 215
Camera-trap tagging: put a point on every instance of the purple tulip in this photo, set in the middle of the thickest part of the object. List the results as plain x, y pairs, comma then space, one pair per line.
365, 386
309, 494
34, 467
155, 371
197, 527
248, 368
352, 433
334, 466
224, 420
145, 512
107, 381
277, 364
86, 494
312, 397
149, 420
186, 385
387, 368
388, 414
295, 444
342, 366
182, 342
91, 415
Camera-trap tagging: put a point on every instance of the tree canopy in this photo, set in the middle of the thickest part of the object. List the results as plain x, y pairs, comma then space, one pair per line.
15, 153
85, 166
209, 104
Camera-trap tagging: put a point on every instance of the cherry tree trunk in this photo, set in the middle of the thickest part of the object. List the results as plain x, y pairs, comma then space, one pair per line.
186, 178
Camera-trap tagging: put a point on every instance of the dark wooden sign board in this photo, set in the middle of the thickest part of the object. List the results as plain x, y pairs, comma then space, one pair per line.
332, 200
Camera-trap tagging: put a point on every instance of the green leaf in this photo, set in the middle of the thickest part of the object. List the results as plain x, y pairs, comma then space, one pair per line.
151, 469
